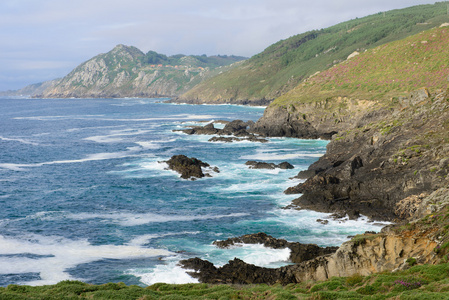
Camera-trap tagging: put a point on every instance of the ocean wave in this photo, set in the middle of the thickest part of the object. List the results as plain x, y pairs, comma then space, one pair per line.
135, 219
131, 152
23, 141
54, 255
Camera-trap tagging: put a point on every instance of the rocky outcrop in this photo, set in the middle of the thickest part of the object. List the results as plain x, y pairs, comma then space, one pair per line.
314, 120
189, 168
236, 272
237, 128
264, 165
397, 247
382, 157
299, 252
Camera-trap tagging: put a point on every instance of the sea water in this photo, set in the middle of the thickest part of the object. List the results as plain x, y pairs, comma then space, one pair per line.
85, 193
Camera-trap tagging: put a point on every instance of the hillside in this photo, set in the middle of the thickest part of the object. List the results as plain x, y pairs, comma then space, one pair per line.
382, 73
285, 64
128, 72
386, 112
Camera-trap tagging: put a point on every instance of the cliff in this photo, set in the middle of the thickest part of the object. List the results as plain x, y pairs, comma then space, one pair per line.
388, 158
383, 149
422, 241
127, 72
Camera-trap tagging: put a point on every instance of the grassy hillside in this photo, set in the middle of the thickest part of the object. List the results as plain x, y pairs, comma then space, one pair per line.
286, 63
387, 71
419, 282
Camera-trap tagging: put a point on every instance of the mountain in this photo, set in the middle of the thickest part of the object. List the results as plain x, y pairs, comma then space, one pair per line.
127, 72
285, 64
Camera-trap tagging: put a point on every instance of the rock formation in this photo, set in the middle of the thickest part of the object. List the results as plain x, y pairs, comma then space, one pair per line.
189, 168
264, 165
379, 157
237, 128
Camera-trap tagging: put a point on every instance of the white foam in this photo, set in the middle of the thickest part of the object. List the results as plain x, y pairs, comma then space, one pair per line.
61, 254
115, 136
144, 239
23, 141
334, 233
102, 118
133, 219
270, 156
131, 152
170, 272
259, 255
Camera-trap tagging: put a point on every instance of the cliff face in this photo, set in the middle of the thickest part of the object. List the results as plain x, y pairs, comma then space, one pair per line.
380, 156
398, 247
128, 72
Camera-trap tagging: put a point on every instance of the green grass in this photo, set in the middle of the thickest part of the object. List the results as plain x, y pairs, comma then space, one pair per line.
283, 65
381, 73
418, 282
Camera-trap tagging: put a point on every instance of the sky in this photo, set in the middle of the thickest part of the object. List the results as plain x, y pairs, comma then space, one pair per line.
45, 39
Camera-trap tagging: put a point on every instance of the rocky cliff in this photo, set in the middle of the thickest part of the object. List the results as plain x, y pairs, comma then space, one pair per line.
380, 156
128, 72
398, 247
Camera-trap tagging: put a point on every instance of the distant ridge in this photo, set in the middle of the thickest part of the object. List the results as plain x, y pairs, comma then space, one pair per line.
125, 71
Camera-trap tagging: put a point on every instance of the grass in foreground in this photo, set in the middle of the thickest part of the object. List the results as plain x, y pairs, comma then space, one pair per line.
418, 282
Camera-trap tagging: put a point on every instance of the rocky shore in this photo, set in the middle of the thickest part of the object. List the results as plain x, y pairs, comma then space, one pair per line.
389, 163
379, 157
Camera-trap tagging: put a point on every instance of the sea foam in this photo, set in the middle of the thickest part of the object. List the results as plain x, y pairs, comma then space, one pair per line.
54, 255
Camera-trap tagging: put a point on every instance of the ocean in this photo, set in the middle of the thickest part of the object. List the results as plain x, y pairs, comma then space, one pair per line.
85, 193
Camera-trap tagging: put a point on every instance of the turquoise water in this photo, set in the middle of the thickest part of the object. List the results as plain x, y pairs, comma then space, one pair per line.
85, 195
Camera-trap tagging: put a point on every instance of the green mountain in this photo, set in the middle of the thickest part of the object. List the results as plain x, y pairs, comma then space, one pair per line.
128, 72
285, 64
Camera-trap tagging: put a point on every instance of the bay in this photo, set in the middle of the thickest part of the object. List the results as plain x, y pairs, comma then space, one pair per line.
84, 192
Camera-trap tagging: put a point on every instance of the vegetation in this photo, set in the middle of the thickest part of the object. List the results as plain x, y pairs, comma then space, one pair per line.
204, 61
386, 71
286, 63
418, 282
125, 71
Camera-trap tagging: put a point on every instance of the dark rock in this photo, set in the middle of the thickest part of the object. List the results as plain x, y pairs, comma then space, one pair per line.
260, 165
305, 174
223, 139
299, 252
189, 168
236, 272
236, 126
264, 165
285, 165
324, 222
239, 272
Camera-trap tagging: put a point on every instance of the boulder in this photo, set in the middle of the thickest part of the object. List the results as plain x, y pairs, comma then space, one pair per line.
189, 168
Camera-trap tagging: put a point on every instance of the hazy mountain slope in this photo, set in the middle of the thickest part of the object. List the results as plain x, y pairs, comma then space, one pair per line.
128, 72
283, 65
